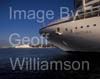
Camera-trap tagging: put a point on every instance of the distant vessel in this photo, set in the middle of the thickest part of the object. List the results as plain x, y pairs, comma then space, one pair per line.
78, 33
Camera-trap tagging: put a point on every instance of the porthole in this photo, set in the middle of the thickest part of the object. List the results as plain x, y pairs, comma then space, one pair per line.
88, 26
66, 29
81, 26
76, 28
94, 24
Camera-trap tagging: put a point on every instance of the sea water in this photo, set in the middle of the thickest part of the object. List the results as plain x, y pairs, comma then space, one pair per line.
48, 54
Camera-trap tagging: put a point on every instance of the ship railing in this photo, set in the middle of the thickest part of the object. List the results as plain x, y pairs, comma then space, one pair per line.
95, 11
92, 2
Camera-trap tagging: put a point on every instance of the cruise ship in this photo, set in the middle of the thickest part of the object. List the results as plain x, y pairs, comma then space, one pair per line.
80, 32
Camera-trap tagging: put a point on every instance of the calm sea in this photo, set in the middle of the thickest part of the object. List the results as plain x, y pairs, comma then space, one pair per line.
48, 54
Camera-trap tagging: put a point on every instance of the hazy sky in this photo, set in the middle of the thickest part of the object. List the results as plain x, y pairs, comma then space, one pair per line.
27, 27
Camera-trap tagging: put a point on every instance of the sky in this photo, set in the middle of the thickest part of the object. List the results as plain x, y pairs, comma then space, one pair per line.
26, 27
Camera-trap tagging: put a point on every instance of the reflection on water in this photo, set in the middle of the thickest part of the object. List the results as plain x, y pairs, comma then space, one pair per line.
49, 55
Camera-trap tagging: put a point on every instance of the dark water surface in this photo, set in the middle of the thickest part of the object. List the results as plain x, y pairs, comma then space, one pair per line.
49, 54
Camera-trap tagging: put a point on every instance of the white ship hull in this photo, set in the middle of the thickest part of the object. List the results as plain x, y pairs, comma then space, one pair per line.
85, 38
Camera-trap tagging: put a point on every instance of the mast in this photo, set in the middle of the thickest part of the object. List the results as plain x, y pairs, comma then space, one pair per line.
84, 6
